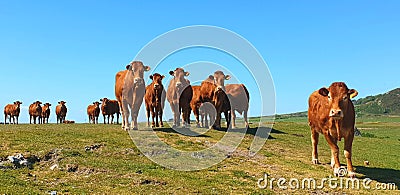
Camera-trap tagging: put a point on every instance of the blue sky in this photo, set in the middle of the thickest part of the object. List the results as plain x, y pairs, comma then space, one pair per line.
71, 50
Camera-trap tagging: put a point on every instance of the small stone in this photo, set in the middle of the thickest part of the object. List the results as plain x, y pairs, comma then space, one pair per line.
54, 167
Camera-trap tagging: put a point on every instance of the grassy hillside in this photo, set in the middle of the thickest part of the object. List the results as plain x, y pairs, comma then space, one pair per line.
387, 103
83, 158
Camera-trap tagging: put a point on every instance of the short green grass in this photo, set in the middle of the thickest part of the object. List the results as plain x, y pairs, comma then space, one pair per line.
118, 167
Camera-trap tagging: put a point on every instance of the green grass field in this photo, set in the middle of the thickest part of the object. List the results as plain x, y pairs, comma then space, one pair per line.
118, 167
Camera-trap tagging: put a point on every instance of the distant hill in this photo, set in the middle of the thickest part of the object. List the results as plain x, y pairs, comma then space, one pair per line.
382, 104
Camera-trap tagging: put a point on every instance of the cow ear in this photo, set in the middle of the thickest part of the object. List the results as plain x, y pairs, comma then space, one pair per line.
162, 76
171, 73
49, 104
59, 102
353, 93
15, 102
227, 77
101, 99
151, 77
323, 91
94, 102
128, 67
187, 73
211, 77
147, 68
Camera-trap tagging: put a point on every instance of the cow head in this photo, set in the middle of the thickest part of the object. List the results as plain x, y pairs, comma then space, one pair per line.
179, 77
105, 101
96, 104
17, 104
62, 102
219, 80
47, 106
37, 103
157, 81
339, 98
138, 69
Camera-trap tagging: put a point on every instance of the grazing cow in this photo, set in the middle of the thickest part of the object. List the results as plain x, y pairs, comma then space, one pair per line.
179, 95
61, 111
46, 112
35, 110
93, 112
109, 108
154, 100
13, 111
331, 113
239, 100
129, 91
213, 90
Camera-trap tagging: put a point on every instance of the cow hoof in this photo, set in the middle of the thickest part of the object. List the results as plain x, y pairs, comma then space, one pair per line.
152, 126
198, 126
340, 171
134, 128
315, 161
126, 128
174, 126
352, 174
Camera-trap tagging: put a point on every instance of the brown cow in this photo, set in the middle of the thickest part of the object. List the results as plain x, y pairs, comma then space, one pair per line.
93, 112
154, 100
109, 108
179, 95
13, 111
331, 113
239, 99
213, 90
207, 110
46, 112
195, 103
129, 90
61, 111
35, 110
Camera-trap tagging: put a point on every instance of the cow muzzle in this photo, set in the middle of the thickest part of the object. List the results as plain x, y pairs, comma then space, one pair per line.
336, 113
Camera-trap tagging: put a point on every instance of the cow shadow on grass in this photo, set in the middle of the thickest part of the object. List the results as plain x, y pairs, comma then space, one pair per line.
182, 131
382, 175
262, 132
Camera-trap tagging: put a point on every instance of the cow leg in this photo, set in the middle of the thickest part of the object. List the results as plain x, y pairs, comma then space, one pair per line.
16, 117
153, 115
233, 120
246, 122
125, 115
112, 118
332, 141
5, 119
157, 112
160, 113
314, 141
117, 117
217, 123
228, 120
348, 142
148, 116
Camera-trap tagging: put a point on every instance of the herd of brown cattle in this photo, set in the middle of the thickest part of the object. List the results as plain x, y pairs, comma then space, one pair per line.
331, 111
208, 101
36, 111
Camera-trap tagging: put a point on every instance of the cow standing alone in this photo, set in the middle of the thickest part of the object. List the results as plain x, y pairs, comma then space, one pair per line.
154, 100
331, 113
61, 111
12, 110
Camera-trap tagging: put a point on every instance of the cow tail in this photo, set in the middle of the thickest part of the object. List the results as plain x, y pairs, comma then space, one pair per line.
247, 93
